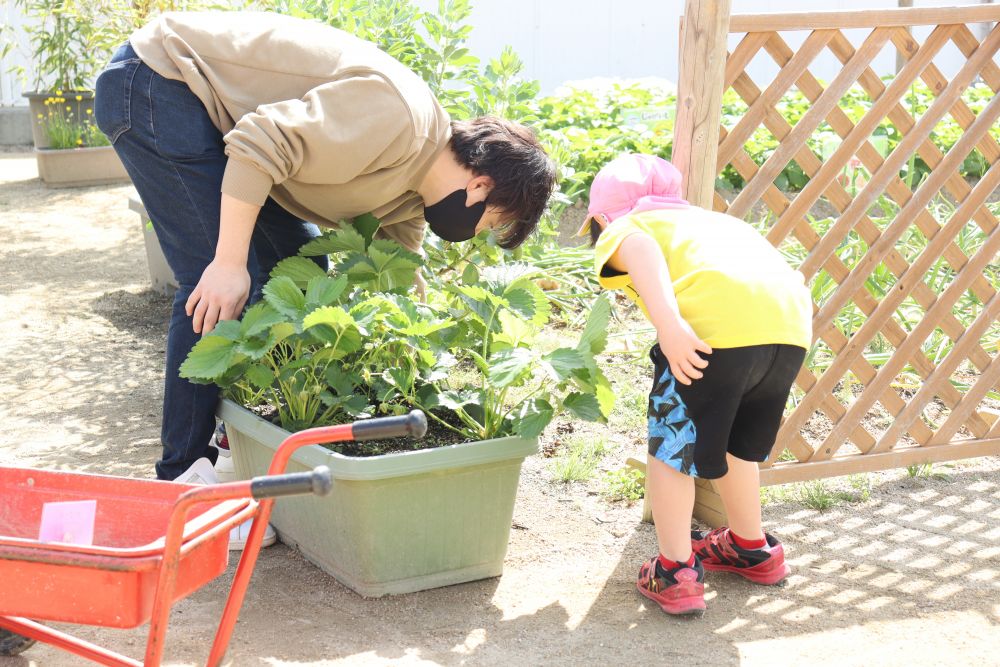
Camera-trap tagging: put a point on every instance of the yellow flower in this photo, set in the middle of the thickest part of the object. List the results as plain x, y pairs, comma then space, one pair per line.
69, 108
40, 116
58, 92
90, 111
79, 142
79, 98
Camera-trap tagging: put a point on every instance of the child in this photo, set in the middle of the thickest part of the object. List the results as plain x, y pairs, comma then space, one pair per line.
733, 322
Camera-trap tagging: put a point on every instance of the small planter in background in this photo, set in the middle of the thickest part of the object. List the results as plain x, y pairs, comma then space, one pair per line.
160, 274
39, 111
395, 523
78, 167
69, 149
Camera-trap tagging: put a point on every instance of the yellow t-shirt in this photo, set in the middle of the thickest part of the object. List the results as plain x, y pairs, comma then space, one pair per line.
733, 287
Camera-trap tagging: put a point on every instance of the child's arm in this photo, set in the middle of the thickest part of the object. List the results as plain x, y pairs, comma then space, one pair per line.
640, 256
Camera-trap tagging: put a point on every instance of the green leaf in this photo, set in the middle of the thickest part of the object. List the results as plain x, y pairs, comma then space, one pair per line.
456, 400
283, 330
428, 397
399, 377
260, 376
341, 382
259, 318
285, 296
532, 418
209, 358
335, 326
367, 224
257, 347
299, 269
481, 304
356, 406
228, 329
583, 406
344, 239
423, 329
324, 290
470, 276
567, 363
396, 266
605, 396
361, 271
514, 331
509, 367
595, 334
530, 302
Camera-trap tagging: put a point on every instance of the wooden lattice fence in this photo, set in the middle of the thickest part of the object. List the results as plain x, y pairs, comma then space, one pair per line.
904, 271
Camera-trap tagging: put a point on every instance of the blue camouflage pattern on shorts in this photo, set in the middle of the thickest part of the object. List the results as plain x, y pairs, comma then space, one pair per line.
672, 434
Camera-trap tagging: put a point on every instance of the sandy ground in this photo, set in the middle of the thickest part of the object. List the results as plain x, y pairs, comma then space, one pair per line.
911, 577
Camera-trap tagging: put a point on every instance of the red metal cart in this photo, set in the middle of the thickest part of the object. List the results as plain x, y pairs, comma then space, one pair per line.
154, 543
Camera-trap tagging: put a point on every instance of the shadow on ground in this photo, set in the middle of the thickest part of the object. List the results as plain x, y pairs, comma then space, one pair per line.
907, 578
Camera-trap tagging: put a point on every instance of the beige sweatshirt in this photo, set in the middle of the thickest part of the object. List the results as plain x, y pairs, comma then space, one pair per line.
325, 123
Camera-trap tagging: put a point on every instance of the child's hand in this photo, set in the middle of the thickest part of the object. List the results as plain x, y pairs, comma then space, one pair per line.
680, 345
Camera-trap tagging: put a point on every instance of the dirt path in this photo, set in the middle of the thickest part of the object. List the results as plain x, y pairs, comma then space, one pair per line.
912, 577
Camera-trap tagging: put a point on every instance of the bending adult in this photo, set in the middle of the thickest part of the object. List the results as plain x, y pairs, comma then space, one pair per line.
244, 132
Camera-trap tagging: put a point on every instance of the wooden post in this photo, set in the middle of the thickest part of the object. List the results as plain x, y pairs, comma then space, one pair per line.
696, 147
708, 507
699, 97
900, 58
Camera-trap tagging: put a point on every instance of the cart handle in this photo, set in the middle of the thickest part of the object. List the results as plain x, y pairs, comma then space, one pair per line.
319, 481
413, 424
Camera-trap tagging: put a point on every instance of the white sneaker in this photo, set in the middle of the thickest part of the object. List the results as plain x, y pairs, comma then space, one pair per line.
202, 472
225, 470
238, 536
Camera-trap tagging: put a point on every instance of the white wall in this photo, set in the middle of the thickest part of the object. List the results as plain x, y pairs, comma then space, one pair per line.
561, 40
10, 86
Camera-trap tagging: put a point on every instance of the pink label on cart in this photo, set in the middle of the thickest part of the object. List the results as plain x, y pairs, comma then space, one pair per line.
71, 522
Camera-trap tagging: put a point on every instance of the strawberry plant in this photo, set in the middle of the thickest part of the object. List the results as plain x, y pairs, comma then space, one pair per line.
326, 348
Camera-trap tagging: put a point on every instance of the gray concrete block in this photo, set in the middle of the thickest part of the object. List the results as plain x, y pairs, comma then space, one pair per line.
15, 126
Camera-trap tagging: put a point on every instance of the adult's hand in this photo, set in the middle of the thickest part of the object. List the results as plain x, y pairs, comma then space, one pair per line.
680, 345
220, 294
224, 286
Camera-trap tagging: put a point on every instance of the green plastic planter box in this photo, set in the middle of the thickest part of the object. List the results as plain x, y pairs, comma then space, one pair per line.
395, 523
160, 273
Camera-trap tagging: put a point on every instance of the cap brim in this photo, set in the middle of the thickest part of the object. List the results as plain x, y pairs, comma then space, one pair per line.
585, 226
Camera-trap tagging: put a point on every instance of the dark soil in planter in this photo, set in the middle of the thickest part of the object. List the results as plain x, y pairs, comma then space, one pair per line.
437, 436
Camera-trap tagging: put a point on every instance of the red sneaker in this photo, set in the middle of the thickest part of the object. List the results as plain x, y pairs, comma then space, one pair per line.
718, 552
679, 590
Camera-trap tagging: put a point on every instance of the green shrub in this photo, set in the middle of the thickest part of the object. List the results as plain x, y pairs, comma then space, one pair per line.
327, 348
626, 484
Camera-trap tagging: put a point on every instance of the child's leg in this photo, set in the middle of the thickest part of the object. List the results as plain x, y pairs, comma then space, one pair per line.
754, 430
740, 491
671, 495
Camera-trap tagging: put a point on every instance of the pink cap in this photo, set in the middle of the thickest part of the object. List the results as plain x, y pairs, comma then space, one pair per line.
632, 183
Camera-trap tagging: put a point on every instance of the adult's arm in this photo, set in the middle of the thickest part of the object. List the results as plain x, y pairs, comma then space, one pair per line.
224, 286
335, 133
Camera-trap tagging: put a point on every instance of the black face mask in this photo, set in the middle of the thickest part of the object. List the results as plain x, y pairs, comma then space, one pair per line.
452, 220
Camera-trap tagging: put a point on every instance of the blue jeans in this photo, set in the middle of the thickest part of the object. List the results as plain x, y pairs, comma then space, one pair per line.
175, 158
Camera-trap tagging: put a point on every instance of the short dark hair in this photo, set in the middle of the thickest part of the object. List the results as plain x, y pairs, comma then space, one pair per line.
523, 174
595, 232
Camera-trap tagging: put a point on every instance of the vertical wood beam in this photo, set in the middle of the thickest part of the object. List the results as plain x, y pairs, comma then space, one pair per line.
699, 97
696, 141
900, 57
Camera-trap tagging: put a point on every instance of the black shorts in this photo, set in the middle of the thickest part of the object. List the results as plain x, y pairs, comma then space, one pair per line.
735, 407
